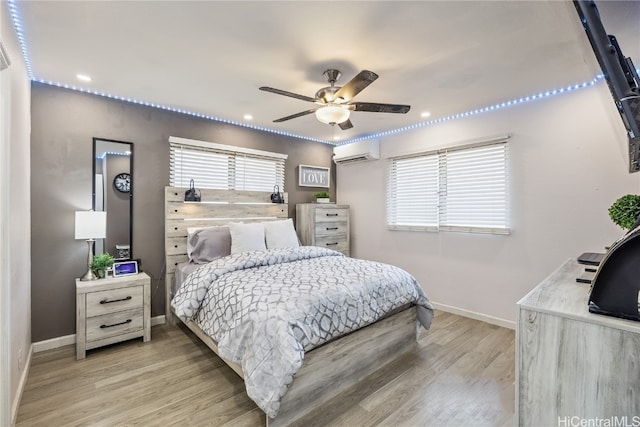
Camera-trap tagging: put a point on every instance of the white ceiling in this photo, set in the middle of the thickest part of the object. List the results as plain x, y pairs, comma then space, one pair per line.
210, 57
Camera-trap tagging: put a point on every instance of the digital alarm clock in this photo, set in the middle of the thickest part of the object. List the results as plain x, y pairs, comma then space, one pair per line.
125, 268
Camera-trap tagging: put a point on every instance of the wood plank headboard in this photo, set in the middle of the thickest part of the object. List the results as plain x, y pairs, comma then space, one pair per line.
217, 207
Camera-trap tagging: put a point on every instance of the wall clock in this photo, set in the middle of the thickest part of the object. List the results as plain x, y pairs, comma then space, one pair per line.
122, 182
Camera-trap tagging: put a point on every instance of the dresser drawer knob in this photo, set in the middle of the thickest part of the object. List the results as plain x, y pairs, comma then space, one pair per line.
332, 228
332, 244
334, 214
115, 324
109, 301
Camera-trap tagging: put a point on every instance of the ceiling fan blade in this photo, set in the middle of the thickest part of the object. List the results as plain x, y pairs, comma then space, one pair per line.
346, 125
356, 85
285, 93
374, 107
293, 116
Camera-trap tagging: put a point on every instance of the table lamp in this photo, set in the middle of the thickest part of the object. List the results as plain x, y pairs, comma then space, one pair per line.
90, 225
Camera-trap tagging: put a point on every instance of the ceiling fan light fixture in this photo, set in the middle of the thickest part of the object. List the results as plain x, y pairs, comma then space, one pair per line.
332, 114
334, 102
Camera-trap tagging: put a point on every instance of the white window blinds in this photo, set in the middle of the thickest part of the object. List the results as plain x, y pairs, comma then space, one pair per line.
413, 192
457, 189
224, 167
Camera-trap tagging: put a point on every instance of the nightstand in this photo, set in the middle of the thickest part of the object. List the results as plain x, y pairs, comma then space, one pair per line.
111, 310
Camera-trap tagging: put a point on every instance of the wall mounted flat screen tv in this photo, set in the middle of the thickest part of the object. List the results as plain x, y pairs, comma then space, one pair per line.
620, 74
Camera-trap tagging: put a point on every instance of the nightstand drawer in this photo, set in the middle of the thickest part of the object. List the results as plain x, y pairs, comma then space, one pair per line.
113, 300
110, 325
331, 214
331, 229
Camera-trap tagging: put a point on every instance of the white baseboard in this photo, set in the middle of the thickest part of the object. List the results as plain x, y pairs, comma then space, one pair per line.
473, 315
53, 343
21, 384
71, 339
158, 320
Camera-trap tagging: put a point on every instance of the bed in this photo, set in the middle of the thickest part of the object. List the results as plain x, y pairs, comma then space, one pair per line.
301, 378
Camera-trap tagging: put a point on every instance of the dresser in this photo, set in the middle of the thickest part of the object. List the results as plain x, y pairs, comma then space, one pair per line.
111, 310
572, 365
323, 224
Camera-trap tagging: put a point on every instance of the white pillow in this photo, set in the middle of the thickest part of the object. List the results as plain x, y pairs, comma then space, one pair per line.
247, 237
280, 234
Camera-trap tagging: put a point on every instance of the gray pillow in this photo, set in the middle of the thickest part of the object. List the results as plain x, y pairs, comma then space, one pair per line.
210, 243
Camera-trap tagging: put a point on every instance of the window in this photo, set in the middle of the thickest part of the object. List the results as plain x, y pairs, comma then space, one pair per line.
224, 167
413, 192
455, 189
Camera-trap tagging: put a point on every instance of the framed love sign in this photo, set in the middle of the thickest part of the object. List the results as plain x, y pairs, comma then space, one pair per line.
313, 176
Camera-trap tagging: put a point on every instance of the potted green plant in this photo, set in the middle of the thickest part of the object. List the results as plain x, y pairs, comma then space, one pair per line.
322, 197
625, 211
101, 263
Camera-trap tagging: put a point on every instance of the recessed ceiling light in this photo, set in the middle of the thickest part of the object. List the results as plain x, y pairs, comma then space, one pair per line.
335, 138
83, 77
248, 117
425, 114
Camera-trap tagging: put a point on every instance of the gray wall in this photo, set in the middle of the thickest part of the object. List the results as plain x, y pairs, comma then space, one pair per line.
63, 125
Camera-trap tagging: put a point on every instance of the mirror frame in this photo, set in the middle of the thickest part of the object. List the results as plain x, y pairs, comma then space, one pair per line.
93, 185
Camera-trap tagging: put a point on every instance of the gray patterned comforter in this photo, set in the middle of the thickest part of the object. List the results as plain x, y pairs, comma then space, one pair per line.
265, 309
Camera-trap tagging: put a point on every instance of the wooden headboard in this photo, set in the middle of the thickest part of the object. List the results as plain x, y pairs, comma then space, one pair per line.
217, 207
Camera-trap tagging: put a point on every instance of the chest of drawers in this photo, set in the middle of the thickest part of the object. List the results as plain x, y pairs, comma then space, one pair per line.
112, 310
324, 225
573, 365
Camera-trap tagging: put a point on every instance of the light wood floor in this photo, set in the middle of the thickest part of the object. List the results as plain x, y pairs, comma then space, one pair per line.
460, 374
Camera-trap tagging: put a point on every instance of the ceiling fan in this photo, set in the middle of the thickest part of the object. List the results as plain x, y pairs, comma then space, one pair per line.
334, 102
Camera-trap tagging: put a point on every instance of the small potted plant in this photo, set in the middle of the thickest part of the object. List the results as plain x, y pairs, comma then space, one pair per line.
625, 212
322, 197
101, 263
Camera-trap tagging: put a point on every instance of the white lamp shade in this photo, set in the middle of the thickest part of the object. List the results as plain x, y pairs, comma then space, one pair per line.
332, 114
91, 225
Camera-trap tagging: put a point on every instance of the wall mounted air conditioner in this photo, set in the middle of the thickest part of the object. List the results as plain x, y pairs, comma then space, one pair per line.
357, 151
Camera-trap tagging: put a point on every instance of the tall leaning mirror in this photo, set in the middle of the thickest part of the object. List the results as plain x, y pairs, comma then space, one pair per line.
113, 193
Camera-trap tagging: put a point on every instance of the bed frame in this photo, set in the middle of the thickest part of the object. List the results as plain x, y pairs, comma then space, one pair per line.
327, 370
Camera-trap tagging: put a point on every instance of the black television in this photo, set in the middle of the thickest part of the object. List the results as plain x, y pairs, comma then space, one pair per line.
619, 73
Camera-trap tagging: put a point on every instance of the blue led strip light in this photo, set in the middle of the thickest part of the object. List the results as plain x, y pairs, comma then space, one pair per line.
17, 25
469, 113
178, 110
477, 111
23, 46
113, 153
